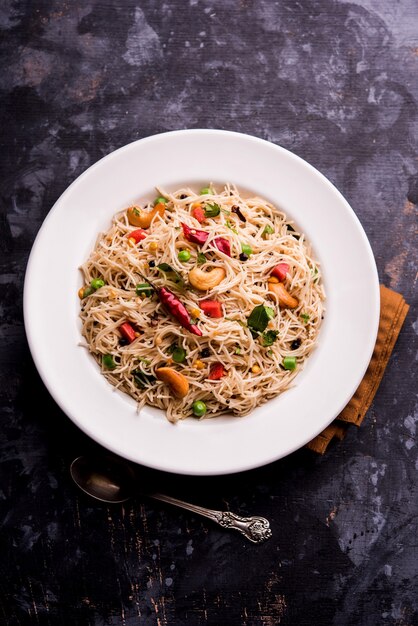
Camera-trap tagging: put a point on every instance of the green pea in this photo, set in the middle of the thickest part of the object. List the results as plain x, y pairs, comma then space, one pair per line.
179, 354
246, 249
183, 256
205, 191
108, 362
199, 408
96, 283
160, 200
87, 291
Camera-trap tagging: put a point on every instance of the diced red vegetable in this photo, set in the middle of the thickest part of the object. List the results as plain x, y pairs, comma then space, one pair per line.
223, 245
199, 214
217, 371
194, 235
127, 331
211, 308
280, 271
138, 235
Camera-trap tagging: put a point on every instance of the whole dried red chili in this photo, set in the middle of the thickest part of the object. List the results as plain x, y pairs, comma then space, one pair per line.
194, 235
223, 245
177, 310
175, 307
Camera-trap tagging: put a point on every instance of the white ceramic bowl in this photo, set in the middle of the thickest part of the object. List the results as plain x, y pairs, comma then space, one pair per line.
222, 445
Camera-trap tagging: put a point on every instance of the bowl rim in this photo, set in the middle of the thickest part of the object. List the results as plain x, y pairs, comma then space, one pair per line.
225, 134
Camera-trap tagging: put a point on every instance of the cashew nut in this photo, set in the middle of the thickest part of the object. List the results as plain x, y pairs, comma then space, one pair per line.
206, 280
142, 219
283, 296
178, 383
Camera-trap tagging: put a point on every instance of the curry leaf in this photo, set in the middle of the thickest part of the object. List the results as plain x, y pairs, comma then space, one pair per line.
259, 318
171, 273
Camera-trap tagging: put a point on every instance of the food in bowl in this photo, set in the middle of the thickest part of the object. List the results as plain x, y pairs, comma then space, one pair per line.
201, 303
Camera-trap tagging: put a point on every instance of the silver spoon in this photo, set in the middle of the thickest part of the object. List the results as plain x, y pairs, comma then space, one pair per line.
110, 480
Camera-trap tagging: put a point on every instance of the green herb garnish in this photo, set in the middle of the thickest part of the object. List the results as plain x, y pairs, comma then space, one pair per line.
237, 351
171, 273
246, 249
212, 210
144, 289
141, 379
230, 226
269, 337
201, 258
259, 318
108, 362
268, 230
305, 317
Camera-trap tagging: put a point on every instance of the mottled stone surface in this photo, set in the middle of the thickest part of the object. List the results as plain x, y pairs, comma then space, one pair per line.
334, 81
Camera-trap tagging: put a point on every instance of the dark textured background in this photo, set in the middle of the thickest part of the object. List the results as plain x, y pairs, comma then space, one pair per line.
334, 81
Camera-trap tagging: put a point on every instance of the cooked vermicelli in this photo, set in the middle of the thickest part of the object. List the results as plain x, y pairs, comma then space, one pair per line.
201, 303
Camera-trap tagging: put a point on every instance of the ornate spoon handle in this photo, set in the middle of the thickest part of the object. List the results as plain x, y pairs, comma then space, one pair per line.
256, 529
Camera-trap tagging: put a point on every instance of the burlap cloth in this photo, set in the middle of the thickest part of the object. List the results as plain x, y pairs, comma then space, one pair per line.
393, 310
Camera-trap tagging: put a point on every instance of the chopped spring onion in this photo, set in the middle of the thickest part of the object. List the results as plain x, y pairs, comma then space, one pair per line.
289, 362
268, 230
246, 249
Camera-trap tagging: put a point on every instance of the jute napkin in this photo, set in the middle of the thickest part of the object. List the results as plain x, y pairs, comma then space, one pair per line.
393, 310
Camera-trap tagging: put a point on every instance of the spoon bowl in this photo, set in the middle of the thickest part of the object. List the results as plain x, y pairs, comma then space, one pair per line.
104, 478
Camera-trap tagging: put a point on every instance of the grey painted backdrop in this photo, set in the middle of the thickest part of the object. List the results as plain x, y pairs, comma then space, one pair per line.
333, 81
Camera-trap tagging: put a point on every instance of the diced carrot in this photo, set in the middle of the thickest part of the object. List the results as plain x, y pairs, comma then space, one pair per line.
138, 235
211, 308
128, 332
199, 214
217, 371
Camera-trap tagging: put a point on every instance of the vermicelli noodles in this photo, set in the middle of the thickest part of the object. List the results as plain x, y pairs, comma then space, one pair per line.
260, 325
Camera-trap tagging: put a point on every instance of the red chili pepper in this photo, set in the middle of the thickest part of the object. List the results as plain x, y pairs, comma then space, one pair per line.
127, 331
177, 310
223, 245
280, 271
138, 235
211, 308
199, 214
194, 235
217, 371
